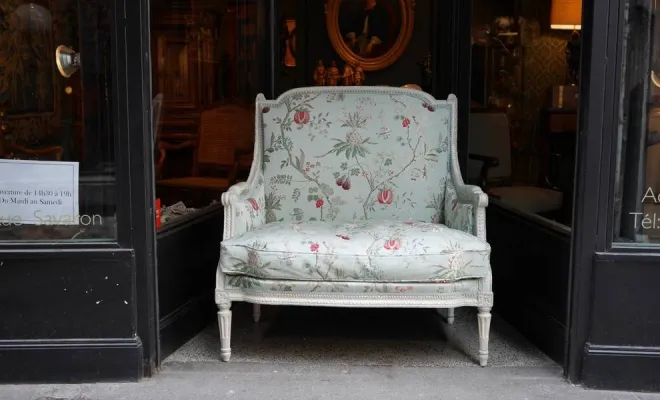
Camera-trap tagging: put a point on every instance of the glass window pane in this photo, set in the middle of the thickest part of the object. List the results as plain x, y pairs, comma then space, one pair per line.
57, 171
637, 182
524, 106
206, 64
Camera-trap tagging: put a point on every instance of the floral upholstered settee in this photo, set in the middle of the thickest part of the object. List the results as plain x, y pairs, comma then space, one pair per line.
355, 199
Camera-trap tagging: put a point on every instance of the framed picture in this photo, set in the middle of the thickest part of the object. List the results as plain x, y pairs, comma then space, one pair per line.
370, 33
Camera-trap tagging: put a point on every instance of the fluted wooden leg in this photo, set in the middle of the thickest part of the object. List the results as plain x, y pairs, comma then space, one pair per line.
484, 318
256, 312
224, 323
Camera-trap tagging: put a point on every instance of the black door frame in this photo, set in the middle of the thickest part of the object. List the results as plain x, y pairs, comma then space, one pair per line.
600, 30
141, 175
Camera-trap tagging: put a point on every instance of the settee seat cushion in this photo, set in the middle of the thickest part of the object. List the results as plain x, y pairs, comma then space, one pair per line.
364, 251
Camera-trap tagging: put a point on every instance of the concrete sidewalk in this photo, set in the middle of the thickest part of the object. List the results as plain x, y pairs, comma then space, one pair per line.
254, 381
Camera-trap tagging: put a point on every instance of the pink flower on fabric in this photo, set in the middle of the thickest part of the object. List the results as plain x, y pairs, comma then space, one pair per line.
319, 203
405, 123
385, 196
314, 247
253, 203
301, 117
392, 244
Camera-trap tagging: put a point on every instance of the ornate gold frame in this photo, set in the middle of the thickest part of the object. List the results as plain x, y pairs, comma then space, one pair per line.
370, 64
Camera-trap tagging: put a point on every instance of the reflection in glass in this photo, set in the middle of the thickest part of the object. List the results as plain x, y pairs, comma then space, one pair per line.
205, 79
637, 179
46, 117
523, 118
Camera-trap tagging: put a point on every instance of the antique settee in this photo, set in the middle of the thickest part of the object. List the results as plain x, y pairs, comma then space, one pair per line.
355, 199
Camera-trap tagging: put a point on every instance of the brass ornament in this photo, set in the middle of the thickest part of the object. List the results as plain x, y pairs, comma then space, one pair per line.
319, 74
67, 60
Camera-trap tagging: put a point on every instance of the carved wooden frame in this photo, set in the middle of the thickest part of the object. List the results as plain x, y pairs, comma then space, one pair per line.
376, 63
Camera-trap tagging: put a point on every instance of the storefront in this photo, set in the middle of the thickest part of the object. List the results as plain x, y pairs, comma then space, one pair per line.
136, 97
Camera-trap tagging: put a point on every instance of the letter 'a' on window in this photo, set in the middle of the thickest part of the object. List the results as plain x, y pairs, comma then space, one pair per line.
637, 180
57, 169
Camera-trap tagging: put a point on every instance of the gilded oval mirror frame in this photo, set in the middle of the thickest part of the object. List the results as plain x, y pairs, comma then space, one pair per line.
391, 55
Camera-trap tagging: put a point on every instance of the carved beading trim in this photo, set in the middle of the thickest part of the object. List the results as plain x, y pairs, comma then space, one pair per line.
222, 299
339, 299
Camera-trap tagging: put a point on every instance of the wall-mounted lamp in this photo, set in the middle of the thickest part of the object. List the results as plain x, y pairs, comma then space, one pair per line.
67, 60
655, 79
567, 15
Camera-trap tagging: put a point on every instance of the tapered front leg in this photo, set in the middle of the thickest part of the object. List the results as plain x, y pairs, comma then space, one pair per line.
256, 312
224, 323
484, 318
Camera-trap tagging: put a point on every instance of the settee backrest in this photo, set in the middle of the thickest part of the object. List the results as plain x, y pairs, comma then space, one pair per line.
353, 153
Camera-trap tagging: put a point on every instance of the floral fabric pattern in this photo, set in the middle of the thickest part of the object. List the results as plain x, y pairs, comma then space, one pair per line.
365, 251
353, 156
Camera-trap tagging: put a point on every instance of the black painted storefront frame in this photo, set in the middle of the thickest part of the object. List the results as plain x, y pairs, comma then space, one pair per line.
614, 337
74, 312
48, 336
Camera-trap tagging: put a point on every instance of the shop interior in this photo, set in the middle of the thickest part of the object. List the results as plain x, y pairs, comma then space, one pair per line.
522, 131
209, 61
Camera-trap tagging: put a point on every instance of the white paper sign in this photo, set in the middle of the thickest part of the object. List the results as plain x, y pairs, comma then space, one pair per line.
38, 193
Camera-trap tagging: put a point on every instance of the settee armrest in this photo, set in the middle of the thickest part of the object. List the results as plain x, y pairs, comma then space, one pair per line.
244, 205
465, 208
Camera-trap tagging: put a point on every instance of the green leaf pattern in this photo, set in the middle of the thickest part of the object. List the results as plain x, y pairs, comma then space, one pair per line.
378, 157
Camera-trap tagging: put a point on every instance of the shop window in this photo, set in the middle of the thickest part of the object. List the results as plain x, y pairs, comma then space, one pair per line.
205, 78
637, 159
57, 164
524, 91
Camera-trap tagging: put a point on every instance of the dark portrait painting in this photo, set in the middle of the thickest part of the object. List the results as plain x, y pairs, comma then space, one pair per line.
370, 27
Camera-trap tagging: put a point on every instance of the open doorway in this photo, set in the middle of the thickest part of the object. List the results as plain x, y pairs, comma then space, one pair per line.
208, 60
205, 76
523, 138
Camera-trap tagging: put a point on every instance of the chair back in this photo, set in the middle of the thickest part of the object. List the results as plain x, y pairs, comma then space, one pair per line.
222, 129
489, 136
347, 153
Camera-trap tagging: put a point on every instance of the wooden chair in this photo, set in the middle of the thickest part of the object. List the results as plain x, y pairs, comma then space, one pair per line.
225, 136
490, 154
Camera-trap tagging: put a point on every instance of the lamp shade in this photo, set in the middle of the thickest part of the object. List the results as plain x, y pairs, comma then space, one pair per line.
566, 14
